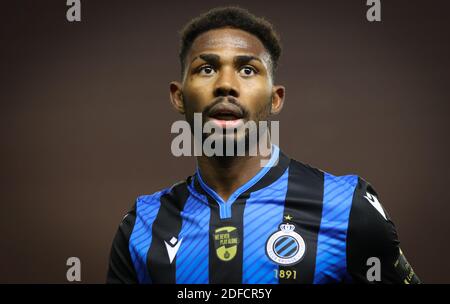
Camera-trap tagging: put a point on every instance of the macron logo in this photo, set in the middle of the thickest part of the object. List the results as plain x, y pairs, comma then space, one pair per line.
172, 248
374, 201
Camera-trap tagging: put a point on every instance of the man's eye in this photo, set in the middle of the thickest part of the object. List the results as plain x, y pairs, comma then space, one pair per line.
206, 70
247, 71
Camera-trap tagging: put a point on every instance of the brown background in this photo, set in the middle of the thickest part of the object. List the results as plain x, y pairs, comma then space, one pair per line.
85, 118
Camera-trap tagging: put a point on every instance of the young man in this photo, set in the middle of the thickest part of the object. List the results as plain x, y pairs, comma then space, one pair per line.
235, 221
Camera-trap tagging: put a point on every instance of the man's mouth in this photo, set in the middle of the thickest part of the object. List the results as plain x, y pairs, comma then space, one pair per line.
226, 115
226, 119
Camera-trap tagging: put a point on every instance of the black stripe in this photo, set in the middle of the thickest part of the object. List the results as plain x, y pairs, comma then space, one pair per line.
121, 268
304, 201
286, 247
166, 225
280, 240
228, 272
291, 252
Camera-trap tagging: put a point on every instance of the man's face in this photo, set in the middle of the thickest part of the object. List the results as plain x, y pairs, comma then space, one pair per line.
228, 79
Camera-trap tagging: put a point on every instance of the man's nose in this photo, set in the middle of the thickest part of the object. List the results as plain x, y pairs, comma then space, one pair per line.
226, 84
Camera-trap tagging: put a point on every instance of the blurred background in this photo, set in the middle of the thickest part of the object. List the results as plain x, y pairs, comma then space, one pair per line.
85, 118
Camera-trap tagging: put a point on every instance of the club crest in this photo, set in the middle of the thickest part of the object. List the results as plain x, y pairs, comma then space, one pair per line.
285, 247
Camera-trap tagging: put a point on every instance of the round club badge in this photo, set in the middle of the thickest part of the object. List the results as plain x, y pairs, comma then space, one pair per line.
286, 247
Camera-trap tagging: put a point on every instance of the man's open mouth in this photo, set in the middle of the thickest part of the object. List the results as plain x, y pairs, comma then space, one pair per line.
226, 115
226, 111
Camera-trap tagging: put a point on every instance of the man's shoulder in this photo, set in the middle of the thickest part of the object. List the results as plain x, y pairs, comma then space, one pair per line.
155, 196
364, 196
368, 217
329, 179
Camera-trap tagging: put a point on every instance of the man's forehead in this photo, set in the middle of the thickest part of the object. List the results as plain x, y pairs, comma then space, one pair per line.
229, 39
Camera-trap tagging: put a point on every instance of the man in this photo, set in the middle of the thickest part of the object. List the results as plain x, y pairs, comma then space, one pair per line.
234, 220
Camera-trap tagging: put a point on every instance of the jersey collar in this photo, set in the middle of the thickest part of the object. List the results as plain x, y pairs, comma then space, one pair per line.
274, 168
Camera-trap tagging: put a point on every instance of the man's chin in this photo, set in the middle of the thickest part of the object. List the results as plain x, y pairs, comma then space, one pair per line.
236, 144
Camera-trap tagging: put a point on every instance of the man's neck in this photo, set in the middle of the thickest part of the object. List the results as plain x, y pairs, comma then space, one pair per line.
226, 174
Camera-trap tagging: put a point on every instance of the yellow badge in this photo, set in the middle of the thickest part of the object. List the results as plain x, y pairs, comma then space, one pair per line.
226, 241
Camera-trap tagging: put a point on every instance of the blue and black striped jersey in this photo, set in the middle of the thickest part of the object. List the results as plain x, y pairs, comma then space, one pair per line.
291, 223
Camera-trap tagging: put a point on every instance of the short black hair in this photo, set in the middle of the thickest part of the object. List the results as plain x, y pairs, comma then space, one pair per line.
234, 17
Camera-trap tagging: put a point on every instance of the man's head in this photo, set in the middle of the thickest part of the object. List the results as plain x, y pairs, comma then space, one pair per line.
233, 17
228, 58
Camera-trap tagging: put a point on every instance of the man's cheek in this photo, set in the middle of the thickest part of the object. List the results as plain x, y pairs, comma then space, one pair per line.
192, 103
261, 105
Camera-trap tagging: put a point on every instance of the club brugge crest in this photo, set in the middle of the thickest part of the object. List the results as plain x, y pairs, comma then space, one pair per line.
226, 241
286, 247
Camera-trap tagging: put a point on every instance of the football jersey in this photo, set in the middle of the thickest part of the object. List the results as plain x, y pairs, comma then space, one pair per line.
290, 223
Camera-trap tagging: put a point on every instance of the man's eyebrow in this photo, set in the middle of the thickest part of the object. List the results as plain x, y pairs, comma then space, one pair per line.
210, 58
241, 59
238, 60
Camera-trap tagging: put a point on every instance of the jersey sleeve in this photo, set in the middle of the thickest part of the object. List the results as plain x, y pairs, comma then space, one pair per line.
373, 247
121, 269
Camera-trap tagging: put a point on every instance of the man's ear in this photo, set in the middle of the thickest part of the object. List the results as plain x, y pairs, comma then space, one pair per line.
278, 94
176, 96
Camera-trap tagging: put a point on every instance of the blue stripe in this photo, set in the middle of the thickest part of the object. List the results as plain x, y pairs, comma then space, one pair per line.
289, 249
255, 254
225, 207
147, 207
331, 264
192, 259
262, 215
280, 244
